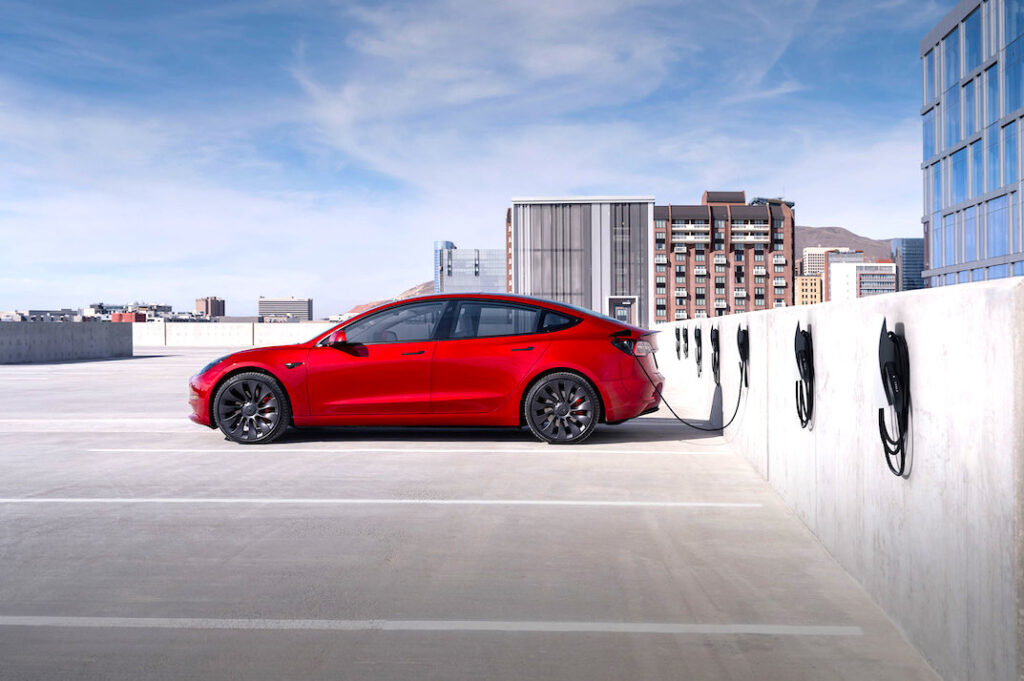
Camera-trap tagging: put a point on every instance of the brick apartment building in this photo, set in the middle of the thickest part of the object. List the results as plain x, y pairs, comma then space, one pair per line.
722, 256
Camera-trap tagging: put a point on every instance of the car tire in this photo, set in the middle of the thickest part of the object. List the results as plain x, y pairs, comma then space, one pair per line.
251, 408
562, 408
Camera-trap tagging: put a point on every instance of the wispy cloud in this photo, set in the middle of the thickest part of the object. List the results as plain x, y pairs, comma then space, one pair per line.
291, 148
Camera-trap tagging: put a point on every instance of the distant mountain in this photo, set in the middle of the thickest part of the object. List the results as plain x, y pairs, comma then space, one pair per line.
417, 290
874, 249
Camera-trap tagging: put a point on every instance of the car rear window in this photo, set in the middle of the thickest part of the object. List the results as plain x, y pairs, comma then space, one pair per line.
485, 319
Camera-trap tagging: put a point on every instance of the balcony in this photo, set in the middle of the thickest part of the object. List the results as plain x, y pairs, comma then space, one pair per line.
738, 225
739, 293
681, 292
721, 259
680, 314
780, 304
691, 238
760, 271
690, 226
740, 238
720, 304
779, 259
700, 271
660, 260
679, 249
779, 281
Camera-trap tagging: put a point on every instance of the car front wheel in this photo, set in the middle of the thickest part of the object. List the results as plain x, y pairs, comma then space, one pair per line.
562, 408
251, 408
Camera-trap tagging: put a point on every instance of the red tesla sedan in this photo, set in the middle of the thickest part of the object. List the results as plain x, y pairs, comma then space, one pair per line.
447, 360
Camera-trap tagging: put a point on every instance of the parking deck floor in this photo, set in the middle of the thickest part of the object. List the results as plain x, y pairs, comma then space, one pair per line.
137, 545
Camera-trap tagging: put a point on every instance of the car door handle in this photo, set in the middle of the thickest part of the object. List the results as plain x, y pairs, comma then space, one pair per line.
418, 352
526, 349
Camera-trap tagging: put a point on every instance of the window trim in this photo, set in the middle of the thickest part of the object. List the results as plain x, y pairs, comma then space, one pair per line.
457, 304
446, 309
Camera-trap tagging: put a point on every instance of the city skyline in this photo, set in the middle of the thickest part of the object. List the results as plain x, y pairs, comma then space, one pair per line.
161, 151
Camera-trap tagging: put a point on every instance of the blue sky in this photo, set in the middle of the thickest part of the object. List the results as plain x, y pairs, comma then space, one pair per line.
166, 151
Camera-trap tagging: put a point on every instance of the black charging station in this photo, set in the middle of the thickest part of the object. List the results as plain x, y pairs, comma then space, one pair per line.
678, 343
804, 352
700, 351
894, 367
715, 366
743, 348
686, 342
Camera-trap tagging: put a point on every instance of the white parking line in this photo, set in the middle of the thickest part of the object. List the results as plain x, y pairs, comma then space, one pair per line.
670, 628
377, 502
540, 449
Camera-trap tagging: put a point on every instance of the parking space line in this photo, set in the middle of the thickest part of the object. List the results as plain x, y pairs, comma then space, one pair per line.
542, 449
378, 502
670, 628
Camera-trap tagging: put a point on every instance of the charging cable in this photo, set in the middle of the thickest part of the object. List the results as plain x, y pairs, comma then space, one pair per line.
657, 390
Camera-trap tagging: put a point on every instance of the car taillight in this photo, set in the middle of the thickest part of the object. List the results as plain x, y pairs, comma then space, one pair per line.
640, 348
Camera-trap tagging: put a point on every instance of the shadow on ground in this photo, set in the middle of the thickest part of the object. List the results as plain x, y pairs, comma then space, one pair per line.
648, 429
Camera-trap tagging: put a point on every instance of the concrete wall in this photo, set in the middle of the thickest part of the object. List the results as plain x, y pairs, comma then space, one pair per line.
941, 550
224, 335
22, 342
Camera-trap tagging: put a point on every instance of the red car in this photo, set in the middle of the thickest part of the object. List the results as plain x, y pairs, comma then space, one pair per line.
448, 360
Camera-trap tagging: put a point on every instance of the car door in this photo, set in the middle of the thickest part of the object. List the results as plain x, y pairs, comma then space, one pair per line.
489, 351
383, 369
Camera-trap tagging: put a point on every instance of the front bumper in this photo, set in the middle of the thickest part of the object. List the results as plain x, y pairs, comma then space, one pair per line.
199, 400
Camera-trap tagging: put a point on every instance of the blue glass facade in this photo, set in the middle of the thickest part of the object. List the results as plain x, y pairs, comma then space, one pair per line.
972, 66
908, 254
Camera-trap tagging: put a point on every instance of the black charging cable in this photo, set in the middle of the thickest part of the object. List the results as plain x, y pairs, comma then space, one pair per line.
803, 347
657, 390
804, 401
895, 447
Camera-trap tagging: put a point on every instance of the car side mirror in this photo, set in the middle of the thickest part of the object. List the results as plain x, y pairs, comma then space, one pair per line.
337, 339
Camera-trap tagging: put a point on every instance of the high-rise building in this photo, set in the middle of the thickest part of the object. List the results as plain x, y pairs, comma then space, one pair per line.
908, 254
722, 256
851, 280
836, 256
477, 270
593, 252
973, 94
808, 289
210, 306
813, 260
285, 309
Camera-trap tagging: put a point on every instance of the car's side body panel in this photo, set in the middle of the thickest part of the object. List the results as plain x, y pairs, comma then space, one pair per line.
449, 382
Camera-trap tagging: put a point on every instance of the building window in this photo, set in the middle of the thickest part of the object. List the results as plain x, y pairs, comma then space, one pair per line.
680, 269
928, 134
972, 41
680, 301
719, 224
998, 228
992, 149
970, 234
758, 292
1014, 20
1014, 72
660, 224
951, 59
719, 268
951, 117
699, 257
758, 256
680, 278
758, 280
660, 268
659, 280
992, 94
929, 76
970, 110
699, 291
699, 280
958, 181
780, 291
977, 169
1010, 153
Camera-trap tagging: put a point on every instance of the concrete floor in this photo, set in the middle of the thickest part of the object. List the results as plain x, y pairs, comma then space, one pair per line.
136, 545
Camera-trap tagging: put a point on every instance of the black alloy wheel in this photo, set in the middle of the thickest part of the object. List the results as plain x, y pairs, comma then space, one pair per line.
562, 408
251, 408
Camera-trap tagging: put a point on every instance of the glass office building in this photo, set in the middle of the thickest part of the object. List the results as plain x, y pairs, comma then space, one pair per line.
470, 270
908, 254
973, 95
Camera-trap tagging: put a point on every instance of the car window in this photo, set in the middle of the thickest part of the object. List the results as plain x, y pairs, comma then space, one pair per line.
487, 319
554, 321
404, 324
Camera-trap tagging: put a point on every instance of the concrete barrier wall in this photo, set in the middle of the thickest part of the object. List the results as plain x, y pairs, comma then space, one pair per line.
23, 342
224, 335
940, 551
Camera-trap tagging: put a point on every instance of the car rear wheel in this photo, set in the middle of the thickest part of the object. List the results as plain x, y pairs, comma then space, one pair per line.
562, 408
251, 408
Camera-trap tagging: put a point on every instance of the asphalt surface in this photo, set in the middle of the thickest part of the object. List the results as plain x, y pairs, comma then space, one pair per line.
137, 545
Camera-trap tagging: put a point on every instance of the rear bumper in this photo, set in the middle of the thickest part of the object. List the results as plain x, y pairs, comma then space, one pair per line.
633, 396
